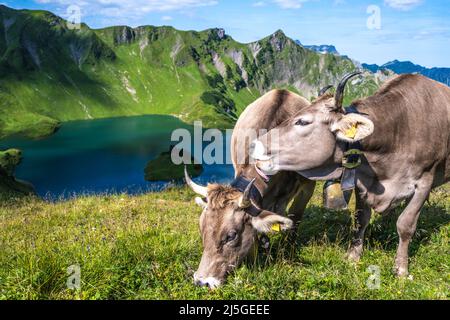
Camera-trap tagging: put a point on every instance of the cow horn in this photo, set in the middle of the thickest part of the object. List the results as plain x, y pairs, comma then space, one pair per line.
324, 90
245, 201
339, 96
195, 187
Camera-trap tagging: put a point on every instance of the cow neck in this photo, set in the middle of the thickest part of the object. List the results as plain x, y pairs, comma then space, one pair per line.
351, 159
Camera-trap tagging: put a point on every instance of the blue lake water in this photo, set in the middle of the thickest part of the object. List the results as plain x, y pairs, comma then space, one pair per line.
102, 156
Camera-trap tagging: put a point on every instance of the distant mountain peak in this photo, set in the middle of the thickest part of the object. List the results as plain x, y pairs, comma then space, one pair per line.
402, 67
278, 40
393, 62
219, 32
279, 33
322, 48
398, 62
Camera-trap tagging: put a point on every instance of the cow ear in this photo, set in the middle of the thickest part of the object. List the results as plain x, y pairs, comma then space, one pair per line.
269, 221
352, 127
199, 201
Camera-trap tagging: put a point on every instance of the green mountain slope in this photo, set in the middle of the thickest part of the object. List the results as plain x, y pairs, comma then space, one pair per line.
50, 73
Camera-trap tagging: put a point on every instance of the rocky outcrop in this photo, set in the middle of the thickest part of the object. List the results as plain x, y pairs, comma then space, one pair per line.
163, 169
278, 40
124, 35
220, 33
32, 51
77, 53
9, 185
218, 63
7, 23
255, 48
216, 34
238, 58
9, 160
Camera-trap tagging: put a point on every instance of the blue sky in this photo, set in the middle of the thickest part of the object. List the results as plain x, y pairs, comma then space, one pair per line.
416, 30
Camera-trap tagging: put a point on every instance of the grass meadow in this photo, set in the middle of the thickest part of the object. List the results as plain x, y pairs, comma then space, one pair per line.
148, 246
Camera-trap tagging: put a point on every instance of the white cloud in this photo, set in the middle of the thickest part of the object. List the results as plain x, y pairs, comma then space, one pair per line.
259, 4
402, 4
166, 18
339, 2
290, 4
64, 2
157, 5
432, 33
133, 8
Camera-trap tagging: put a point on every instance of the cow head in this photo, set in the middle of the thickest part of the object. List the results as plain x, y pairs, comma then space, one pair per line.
309, 142
228, 232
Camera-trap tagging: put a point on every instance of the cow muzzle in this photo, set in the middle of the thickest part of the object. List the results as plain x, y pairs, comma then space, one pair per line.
209, 282
258, 151
265, 164
266, 168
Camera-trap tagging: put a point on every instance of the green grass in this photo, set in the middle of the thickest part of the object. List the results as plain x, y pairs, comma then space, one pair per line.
148, 246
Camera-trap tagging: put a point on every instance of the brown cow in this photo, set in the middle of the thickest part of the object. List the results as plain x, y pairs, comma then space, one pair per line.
404, 136
231, 217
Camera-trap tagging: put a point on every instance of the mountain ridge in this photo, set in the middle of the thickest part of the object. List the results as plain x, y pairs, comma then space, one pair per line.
401, 67
51, 74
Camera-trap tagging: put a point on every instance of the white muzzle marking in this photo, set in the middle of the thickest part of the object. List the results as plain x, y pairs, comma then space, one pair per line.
211, 282
258, 152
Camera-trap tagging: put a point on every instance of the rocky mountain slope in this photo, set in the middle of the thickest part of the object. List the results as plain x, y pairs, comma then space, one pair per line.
50, 73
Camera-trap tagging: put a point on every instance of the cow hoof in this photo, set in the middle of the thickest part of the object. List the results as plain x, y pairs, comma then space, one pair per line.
401, 272
352, 257
354, 254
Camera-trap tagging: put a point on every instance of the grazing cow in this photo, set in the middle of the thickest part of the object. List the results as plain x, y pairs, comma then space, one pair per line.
402, 136
231, 216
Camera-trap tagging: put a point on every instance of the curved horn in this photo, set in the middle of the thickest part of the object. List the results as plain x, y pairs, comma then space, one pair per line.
324, 90
339, 96
195, 187
245, 201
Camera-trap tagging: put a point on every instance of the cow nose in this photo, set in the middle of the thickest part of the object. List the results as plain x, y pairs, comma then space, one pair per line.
198, 281
210, 282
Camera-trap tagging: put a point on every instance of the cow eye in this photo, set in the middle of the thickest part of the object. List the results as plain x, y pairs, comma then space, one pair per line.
231, 236
302, 122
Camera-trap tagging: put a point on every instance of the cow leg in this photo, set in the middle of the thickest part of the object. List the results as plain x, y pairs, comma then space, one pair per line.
407, 223
360, 223
299, 204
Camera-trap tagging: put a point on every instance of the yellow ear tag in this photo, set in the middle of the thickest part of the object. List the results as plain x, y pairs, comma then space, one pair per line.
276, 227
351, 133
